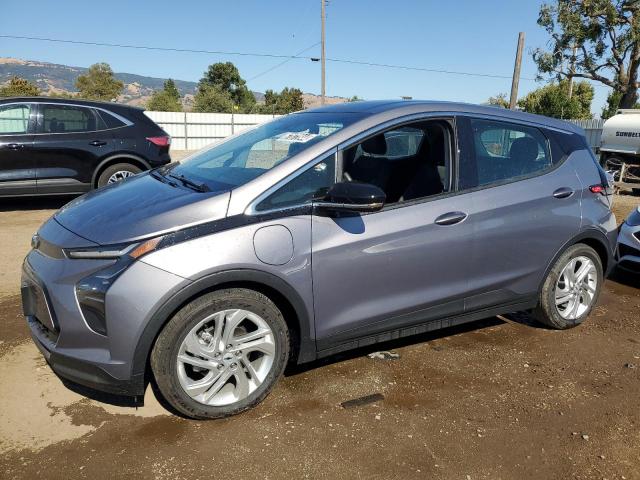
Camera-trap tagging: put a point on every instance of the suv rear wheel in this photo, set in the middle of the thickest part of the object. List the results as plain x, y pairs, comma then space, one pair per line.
221, 354
571, 288
116, 173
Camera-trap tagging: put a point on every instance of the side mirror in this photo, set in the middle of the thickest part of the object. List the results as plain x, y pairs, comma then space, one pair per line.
353, 197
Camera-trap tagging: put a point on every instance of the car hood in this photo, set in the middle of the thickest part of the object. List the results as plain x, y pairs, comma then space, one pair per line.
138, 208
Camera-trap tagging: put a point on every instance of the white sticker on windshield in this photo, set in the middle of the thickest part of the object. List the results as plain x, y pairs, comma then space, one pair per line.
297, 137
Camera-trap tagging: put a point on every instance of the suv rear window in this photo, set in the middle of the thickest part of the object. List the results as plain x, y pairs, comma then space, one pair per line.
67, 118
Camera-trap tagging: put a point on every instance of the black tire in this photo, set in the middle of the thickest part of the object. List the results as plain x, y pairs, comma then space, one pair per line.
165, 351
103, 179
547, 312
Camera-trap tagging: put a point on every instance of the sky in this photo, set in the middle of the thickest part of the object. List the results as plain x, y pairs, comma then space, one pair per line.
477, 36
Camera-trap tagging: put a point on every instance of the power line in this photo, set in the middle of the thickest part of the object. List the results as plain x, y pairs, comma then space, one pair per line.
147, 47
269, 55
271, 69
422, 69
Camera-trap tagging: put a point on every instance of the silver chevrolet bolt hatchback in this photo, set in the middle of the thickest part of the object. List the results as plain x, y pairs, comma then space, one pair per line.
318, 232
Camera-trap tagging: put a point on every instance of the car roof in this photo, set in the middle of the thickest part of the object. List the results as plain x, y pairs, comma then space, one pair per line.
400, 107
74, 101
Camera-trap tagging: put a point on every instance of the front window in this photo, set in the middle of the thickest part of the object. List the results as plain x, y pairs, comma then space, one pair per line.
408, 163
247, 156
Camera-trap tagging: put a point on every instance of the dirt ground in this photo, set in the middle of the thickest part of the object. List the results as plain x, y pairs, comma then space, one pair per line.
496, 399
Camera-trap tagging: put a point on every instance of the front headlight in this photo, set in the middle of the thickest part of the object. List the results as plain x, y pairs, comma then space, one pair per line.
91, 291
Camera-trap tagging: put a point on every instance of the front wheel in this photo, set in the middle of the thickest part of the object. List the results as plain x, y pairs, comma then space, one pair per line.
221, 354
571, 288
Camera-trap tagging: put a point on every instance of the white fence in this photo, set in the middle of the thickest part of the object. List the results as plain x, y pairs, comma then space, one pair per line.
592, 129
192, 131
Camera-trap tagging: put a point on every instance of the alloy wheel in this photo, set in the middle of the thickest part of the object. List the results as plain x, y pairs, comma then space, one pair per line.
576, 287
225, 357
119, 175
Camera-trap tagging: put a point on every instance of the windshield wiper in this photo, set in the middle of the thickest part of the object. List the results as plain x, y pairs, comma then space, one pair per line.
199, 187
157, 174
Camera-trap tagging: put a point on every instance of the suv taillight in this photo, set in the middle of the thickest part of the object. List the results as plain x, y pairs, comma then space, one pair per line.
164, 141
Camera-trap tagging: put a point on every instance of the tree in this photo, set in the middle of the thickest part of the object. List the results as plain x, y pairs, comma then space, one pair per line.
226, 78
171, 89
597, 39
499, 100
19, 87
611, 107
210, 98
99, 83
287, 101
355, 98
166, 100
553, 100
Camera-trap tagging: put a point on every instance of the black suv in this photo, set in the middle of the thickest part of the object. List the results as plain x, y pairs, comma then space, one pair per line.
52, 146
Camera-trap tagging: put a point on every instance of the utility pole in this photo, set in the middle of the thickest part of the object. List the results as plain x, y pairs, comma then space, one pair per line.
572, 70
323, 57
516, 72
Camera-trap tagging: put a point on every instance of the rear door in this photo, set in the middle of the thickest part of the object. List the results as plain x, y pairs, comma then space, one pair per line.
523, 206
17, 163
71, 141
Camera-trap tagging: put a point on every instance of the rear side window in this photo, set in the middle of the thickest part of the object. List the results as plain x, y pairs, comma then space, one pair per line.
501, 152
14, 119
68, 119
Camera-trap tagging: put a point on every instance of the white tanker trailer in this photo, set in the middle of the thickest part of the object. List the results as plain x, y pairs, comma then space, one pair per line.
620, 149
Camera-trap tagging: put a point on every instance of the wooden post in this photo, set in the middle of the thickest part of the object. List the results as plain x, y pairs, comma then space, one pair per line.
516, 72
323, 58
572, 70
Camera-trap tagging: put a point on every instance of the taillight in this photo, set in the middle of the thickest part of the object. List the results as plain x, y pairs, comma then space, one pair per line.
164, 141
598, 189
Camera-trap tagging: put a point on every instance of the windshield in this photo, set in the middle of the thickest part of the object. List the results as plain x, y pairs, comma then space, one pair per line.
245, 157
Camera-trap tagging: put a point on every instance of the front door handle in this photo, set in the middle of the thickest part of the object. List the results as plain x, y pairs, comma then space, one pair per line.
15, 146
98, 143
564, 192
450, 218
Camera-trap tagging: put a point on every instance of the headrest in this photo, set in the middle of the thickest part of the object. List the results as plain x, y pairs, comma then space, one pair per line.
524, 148
375, 145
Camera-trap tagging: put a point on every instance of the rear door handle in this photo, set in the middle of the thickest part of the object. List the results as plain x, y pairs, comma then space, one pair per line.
450, 218
97, 143
15, 146
564, 192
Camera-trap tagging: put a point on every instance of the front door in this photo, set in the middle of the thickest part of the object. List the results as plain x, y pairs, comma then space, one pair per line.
17, 164
376, 273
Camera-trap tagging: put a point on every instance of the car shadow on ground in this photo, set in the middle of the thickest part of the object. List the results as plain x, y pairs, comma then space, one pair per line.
293, 370
33, 203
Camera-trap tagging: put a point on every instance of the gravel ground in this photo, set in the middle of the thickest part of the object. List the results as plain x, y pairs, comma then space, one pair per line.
494, 399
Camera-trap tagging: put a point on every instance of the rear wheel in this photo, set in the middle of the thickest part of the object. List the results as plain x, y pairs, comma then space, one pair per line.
221, 354
571, 288
116, 173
